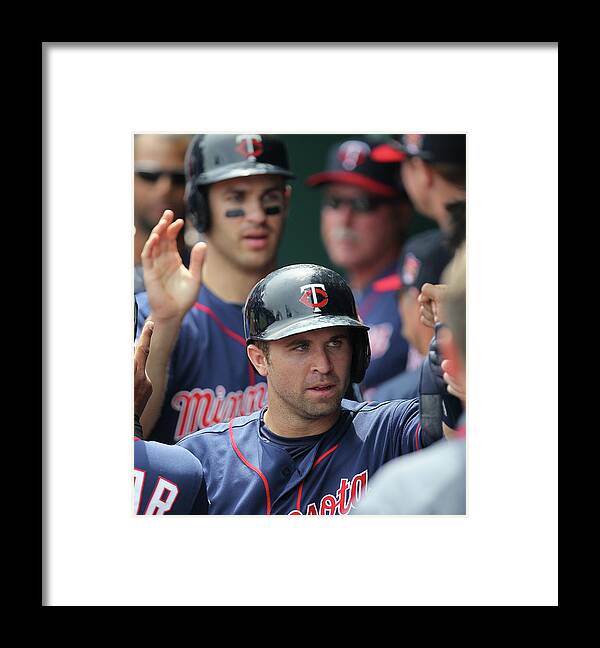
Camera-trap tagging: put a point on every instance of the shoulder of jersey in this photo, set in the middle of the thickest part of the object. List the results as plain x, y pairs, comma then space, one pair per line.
170, 449
354, 407
434, 234
219, 428
370, 406
142, 301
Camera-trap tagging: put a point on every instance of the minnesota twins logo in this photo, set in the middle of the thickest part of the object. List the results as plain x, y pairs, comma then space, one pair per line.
410, 268
353, 153
314, 296
249, 146
413, 142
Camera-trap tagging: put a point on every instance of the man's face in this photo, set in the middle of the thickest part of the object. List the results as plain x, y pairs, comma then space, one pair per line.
356, 229
247, 217
155, 191
309, 373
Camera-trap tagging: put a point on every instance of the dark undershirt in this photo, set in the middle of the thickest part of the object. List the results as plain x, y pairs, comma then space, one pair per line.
297, 447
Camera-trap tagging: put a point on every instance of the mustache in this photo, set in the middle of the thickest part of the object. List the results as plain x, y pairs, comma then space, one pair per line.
341, 233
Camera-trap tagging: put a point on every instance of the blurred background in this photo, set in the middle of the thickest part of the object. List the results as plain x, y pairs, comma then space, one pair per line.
302, 240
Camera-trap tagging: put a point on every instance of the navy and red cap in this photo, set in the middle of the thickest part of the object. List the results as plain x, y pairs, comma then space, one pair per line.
423, 260
431, 148
356, 162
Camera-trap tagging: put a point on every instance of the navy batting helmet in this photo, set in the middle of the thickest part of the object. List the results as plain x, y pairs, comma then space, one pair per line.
215, 157
305, 297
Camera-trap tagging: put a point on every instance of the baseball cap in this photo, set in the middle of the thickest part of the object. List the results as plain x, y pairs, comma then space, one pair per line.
435, 148
431, 148
353, 162
423, 259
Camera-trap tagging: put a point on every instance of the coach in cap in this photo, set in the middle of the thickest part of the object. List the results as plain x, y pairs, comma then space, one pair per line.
364, 219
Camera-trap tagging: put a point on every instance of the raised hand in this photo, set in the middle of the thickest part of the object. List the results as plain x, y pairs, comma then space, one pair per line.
430, 300
172, 288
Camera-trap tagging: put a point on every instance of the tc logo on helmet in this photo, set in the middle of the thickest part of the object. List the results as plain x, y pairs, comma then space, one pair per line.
353, 153
249, 146
314, 296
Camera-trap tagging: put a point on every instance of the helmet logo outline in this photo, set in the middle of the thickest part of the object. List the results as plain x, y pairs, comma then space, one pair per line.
410, 268
353, 153
311, 294
413, 142
249, 146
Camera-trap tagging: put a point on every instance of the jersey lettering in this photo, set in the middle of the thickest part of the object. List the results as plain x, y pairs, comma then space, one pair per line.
201, 408
138, 485
164, 496
339, 503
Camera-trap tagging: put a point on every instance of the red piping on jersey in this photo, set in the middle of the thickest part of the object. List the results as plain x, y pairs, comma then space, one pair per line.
225, 329
254, 468
387, 284
317, 461
230, 333
300, 494
417, 435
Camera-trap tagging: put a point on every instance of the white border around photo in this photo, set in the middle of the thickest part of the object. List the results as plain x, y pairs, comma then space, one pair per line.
505, 551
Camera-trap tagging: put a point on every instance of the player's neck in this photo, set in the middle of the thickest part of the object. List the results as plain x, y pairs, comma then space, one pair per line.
230, 283
283, 422
360, 277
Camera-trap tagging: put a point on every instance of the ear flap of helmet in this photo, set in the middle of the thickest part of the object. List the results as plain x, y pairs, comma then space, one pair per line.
197, 206
361, 355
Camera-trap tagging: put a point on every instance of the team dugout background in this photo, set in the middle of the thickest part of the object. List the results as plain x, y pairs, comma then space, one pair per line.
302, 239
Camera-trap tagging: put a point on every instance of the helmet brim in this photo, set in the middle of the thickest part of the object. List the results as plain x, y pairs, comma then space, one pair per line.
280, 330
238, 171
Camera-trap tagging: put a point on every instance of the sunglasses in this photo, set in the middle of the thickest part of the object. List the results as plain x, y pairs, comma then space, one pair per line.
152, 175
360, 205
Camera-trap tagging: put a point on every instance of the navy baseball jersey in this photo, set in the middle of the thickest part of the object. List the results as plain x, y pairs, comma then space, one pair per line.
378, 308
406, 385
166, 479
248, 470
210, 377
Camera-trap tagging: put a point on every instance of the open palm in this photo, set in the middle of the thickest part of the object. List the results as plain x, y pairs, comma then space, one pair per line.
171, 287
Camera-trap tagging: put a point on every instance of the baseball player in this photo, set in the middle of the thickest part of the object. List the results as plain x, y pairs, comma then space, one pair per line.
310, 452
159, 184
433, 481
364, 219
166, 479
238, 195
433, 172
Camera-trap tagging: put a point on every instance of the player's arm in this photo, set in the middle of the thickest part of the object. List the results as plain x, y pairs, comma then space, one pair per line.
441, 396
172, 290
142, 387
